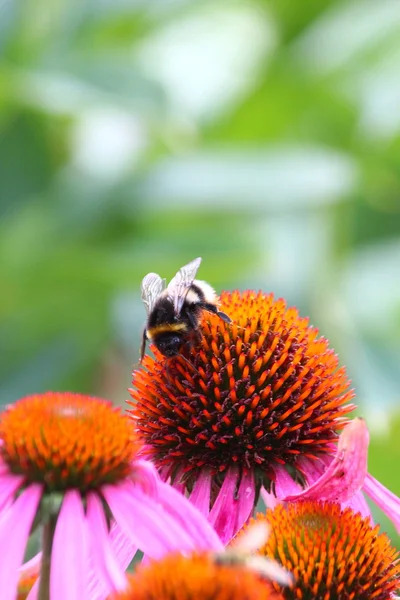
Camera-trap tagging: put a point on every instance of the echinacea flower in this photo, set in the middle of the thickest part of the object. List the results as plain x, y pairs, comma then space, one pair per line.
261, 408
265, 399
226, 575
333, 553
70, 462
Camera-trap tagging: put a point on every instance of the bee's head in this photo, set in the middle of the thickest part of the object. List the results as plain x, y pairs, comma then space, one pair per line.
170, 344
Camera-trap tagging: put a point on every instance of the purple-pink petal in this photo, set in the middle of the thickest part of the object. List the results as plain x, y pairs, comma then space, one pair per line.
149, 527
145, 474
246, 496
9, 484
33, 594
358, 504
69, 558
189, 518
388, 502
15, 526
223, 513
346, 473
201, 493
105, 562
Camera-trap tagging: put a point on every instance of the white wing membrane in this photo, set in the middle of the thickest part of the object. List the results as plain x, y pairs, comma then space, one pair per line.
152, 286
179, 286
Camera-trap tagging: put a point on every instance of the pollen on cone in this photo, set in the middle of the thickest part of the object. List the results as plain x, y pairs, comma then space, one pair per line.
333, 554
257, 394
65, 440
197, 577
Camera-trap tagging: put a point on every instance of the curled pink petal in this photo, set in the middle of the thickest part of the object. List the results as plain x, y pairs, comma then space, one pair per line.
347, 471
69, 557
101, 552
15, 526
189, 518
388, 502
201, 493
223, 513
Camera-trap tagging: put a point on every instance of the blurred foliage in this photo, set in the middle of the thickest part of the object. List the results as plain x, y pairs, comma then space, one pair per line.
135, 135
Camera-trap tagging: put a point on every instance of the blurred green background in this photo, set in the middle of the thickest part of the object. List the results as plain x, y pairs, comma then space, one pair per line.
136, 135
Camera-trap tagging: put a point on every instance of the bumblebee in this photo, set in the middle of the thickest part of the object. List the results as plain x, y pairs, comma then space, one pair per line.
173, 311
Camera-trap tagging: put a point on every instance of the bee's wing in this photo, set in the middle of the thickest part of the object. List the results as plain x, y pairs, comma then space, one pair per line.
152, 286
179, 286
269, 569
253, 538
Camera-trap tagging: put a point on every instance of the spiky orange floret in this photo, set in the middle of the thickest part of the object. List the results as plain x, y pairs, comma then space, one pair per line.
198, 577
65, 440
333, 554
264, 390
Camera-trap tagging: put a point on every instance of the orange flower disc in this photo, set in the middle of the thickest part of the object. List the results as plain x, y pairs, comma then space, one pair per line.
264, 391
65, 440
333, 554
176, 577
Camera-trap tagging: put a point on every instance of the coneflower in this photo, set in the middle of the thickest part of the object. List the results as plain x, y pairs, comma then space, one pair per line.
333, 553
260, 407
70, 463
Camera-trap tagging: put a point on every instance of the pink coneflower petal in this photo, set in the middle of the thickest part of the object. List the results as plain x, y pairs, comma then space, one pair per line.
223, 513
190, 518
386, 500
347, 471
246, 497
200, 496
358, 504
144, 521
9, 484
15, 526
68, 576
101, 552
147, 477
124, 551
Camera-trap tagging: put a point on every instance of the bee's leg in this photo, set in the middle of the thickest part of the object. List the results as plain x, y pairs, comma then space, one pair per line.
213, 309
143, 346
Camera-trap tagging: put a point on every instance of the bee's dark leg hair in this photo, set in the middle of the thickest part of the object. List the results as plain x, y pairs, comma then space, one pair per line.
143, 346
213, 309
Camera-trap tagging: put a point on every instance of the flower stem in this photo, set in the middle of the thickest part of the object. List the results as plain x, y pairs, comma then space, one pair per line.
47, 544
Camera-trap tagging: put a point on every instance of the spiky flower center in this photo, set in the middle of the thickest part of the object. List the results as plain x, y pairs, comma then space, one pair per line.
263, 391
65, 440
176, 577
333, 554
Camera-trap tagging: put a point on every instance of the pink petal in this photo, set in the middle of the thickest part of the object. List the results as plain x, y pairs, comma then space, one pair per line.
15, 526
144, 521
69, 557
146, 475
388, 502
200, 496
124, 552
285, 484
358, 504
223, 514
101, 552
246, 496
189, 518
346, 473
9, 484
